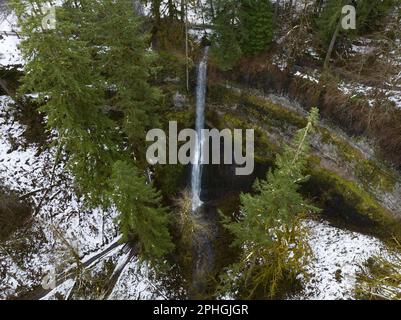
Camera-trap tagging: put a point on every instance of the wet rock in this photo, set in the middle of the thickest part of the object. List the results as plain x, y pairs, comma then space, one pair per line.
172, 80
179, 100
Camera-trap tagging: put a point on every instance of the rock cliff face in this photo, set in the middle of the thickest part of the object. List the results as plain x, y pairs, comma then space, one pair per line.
347, 180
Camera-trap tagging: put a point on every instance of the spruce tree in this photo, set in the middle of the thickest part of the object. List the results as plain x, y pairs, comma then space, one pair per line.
269, 232
59, 67
96, 60
257, 23
227, 47
142, 217
369, 16
329, 19
243, 28
127, 65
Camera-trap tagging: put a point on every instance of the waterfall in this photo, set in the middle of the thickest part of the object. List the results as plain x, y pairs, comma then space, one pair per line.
196, 175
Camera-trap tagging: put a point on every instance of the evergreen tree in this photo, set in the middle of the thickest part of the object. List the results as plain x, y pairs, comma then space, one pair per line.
127, 65
226, 39
142, 218
257, 23
96, 60
369, 15
226, 49
59, 67
329, 19
243, 27
274, 250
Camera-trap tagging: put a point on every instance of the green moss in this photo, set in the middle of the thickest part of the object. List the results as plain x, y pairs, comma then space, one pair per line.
367, 171
185, 118
258, 107
264, 147
328, 186
276, 113
222, 95
370, 174
358, 201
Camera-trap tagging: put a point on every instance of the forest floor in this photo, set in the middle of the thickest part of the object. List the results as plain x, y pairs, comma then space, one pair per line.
62, 218
60, 223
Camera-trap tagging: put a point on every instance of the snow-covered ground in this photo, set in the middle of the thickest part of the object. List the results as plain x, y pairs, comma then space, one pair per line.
9, 41
25, 171
62, 218
338, 255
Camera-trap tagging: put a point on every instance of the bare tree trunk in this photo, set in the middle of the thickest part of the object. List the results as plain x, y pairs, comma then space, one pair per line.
276, 9
186, 46
171, 9
212, 11
182, 10
332, 43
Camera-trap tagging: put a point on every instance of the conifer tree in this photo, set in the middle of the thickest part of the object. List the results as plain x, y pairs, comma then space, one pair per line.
243, 27
127, 65
227, 48
269, 233
96, 59
369, 15
329, 19
142, 217
257, 23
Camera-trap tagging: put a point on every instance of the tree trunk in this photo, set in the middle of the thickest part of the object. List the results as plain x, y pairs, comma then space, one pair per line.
186, 46
171, 9
332, 43
276, 9
182, 11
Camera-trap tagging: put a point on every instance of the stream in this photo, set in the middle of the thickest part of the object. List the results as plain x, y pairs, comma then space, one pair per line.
203, 249
196, 175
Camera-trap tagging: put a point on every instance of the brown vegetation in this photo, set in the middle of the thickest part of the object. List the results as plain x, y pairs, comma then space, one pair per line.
13, 213
380, 122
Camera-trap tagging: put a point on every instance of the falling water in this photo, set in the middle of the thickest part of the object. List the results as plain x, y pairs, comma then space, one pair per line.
199, 125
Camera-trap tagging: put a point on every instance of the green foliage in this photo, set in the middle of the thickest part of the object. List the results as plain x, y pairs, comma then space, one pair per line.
227, 48
274, 251
243, 27
142, 218
328, 20
369, 16
257, 21
189, 228
272, 270
94, 62
126, 64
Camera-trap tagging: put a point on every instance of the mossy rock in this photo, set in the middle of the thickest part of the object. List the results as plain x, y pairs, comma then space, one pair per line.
361, 193
345, 199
